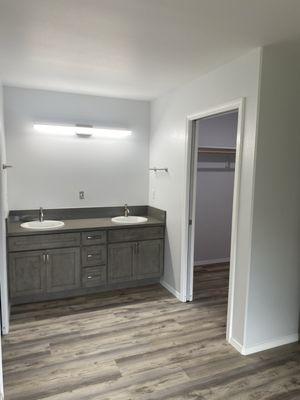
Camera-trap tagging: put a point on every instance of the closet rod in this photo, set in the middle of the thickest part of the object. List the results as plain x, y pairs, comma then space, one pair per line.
155, 169
217, 150
210, 169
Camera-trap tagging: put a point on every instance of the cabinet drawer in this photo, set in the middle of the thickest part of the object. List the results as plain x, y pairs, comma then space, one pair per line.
94, 255
131, 234
94, 276
93, 237
49, 241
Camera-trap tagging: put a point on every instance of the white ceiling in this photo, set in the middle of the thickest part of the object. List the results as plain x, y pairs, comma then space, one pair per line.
132, 48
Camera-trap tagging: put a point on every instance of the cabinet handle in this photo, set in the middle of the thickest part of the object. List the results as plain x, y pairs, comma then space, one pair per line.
90, 255
90, 276
43, 257
94, 237
138, 247
47, 258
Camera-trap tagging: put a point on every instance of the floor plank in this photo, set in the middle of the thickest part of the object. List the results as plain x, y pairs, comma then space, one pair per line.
141, 344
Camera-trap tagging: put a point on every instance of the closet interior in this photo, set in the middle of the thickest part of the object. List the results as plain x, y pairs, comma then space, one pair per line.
216, 139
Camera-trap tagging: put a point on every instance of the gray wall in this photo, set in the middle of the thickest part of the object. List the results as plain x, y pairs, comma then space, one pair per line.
50, 170
274, 291
218, 131
214, 191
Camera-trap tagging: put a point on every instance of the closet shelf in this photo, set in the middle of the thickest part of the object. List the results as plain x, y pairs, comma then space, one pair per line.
217, 150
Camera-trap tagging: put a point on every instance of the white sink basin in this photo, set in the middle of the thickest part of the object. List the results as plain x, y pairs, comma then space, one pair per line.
129, 220
46, 224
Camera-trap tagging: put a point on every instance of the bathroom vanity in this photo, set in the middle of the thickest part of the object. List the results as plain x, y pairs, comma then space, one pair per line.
89, 254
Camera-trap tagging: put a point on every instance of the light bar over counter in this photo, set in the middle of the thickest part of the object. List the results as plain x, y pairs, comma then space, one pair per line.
82, 131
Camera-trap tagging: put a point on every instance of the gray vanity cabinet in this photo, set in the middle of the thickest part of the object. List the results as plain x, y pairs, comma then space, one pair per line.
149, 259
27, 273
135, 260
63, 269
121, 259
40, 272
58, 265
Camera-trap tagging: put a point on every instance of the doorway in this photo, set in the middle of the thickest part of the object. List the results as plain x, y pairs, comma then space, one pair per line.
207, 159
216, 143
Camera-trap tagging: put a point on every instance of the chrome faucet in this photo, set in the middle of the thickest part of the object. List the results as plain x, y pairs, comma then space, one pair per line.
41, 214
126, 210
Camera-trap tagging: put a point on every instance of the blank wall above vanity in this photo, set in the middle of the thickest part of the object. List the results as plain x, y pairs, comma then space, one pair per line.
50, 170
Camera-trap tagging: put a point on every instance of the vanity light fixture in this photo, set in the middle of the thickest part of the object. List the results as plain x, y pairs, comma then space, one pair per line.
82, 130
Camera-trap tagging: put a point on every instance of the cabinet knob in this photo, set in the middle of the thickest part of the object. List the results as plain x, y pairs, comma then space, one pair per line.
90, 276
90, 255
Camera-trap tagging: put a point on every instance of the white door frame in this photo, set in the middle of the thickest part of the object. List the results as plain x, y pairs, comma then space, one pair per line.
190, 203
5, 308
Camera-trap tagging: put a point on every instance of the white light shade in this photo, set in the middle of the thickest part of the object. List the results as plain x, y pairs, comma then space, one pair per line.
82, 130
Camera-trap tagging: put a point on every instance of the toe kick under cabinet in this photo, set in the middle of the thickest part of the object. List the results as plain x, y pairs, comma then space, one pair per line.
58, 265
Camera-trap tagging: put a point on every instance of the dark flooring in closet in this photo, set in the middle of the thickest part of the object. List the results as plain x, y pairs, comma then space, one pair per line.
211, 281
141, 344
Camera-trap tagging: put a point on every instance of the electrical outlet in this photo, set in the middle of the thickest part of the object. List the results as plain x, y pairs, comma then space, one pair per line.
81, 195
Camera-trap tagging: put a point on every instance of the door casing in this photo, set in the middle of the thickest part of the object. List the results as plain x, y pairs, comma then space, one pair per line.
188, 227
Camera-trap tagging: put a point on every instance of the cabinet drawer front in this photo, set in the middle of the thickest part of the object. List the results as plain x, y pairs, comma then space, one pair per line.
93, 237
49, 241
94, 276
132, 234
94, 255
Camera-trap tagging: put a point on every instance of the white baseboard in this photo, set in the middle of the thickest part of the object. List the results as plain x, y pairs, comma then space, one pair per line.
214, 261
171, 290
5, 331
236, 345
272, 344
5, 323
264, 346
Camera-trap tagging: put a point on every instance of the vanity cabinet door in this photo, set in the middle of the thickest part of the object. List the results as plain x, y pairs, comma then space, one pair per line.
27, 273
149, 259
121, 259
63, 269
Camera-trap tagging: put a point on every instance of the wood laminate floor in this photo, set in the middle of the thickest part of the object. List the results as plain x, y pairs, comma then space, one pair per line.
141, 344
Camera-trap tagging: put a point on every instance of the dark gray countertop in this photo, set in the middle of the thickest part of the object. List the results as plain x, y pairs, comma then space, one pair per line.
14, 228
